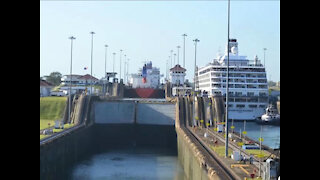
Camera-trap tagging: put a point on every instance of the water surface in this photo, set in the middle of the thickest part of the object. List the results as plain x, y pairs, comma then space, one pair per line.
133, 164
270, 133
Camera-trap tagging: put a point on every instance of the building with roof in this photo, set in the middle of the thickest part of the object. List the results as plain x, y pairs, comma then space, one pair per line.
177, 75
79, 79
80, 83
177, 80
45, 88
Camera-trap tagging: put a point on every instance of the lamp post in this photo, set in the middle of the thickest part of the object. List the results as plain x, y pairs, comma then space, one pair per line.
171, 57
260, 139
120, 64
105, 69
167, 69
174, 59
264, 57
184, 48
127, 70
69, 117
178, 53
194, 79
227, 87
92, 33
124, 71
114, 59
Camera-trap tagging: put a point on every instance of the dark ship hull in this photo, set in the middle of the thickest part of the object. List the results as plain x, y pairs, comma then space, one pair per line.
275, 122
144, 93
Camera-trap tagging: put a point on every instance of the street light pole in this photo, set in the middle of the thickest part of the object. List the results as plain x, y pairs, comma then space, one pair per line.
264, 57
120, 64
227, 87
174, 59
171, 57
124, 71
92, 33
69, 117
178, 53
114, 59
194, 79
105, 69
127, 70
184, 48
260, 139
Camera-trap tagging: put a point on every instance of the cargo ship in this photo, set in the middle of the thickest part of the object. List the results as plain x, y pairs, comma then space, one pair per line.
145, 83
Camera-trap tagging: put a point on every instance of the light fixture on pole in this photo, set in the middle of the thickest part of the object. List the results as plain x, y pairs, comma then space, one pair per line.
69, 114
194, 79
124, 71
171, 57
184, 49
264, 57
120, 64
105, 61
128, 69
92, 33
105, 69
169, 67
174, 59
178, 53
114, 59
166, 70
227, 87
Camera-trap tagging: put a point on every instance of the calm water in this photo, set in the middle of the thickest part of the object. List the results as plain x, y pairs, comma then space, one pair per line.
125, 164
270, 134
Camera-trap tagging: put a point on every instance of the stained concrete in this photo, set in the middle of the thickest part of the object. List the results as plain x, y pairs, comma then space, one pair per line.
114, 112
130, 112
156, 114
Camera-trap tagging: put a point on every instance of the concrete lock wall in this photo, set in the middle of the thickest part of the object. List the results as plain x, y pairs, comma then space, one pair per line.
195, 163
58, 157
189, 160
130, 113
114, 112
156, 114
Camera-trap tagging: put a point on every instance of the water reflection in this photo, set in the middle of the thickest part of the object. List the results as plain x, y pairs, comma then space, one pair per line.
140, 163
270, 133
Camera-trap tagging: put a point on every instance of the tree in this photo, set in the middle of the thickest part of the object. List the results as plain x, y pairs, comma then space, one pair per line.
54, 78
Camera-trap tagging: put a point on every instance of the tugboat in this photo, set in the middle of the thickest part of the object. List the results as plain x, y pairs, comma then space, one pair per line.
270, 117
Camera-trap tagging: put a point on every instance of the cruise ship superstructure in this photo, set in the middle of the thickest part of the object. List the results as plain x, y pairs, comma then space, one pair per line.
248, 86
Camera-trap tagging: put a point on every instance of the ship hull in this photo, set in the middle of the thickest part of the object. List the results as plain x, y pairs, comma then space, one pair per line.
247, 114
275, 122
144, 93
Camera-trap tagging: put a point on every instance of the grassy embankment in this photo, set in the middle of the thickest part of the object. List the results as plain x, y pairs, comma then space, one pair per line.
51, 109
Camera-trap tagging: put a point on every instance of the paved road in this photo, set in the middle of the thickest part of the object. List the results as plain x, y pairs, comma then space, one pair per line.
232, 145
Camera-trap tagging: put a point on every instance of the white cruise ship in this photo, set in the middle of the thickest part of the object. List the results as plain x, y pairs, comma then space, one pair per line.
248, 86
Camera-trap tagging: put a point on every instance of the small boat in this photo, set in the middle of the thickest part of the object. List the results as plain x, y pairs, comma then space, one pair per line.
270, 117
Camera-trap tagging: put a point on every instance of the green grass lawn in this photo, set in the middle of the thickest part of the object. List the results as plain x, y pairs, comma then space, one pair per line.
44, 123
220, 150
51, 109
256, 152
66, 126
42, 136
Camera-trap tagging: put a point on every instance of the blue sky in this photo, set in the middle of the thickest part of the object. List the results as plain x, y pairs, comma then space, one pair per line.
148, 30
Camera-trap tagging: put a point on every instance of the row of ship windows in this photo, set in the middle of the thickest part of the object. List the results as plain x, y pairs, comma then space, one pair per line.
263, 99
234, 69
240, 86
218, 77
250, 106
233, 80
235, 86
238, 75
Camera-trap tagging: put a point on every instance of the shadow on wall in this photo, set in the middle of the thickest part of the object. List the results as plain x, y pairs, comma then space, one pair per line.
156, 114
